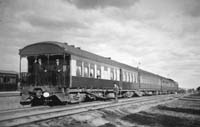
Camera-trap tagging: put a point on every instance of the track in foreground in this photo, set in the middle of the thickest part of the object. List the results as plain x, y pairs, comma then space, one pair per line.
20, 117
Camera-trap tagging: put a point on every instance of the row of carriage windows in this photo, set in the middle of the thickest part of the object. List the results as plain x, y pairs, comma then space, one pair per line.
149, 79
88, 70
8, 80
8, 83
129, 77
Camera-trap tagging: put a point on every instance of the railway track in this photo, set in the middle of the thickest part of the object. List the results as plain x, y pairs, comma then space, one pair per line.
28, 115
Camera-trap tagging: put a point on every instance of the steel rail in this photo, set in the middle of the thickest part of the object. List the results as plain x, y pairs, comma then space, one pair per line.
19, 118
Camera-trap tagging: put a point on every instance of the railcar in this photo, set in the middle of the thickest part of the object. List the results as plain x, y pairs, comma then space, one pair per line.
69, 72
8, 80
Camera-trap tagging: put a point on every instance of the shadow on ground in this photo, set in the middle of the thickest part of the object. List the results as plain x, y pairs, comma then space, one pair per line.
150, 119
107, 125
178, 109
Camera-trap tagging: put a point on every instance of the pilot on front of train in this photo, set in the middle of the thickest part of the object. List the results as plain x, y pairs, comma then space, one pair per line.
40, 98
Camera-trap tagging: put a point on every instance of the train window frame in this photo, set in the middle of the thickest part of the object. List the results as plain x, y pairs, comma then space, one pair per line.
79, 71
13, 80
124, 76
1, 80
130, 76
92, 70
98, 72
115, 74
133, 77
127, 77
6, 79
86, 71
111, 74
79, 68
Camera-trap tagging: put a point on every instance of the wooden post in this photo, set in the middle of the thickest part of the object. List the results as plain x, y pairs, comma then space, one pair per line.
20, 67
64, 63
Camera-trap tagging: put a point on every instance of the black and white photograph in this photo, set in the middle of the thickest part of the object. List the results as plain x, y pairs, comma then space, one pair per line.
99, 63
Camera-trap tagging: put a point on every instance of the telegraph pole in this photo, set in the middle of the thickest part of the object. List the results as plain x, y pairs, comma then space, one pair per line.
138, 74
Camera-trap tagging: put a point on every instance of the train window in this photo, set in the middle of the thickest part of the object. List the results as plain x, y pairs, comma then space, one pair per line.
127, 77
79, 71
79, 68
131, 79
12, 80
24, 64
118, 75
111, 74
98, 72
86, 69
124, 76
6, 79
1, 79
92, 71
115, 74
86, 72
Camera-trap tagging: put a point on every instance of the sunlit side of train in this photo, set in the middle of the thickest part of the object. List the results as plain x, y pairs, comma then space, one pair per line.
71, 73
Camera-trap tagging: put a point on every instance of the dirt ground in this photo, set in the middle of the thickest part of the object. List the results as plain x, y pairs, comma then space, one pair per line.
184, 112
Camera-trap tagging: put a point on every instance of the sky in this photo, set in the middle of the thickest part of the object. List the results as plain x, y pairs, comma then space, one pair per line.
162, 35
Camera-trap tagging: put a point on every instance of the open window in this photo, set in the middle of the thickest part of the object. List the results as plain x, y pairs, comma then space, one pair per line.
92, 71
79, 68
86, 69
45, 70
98, 73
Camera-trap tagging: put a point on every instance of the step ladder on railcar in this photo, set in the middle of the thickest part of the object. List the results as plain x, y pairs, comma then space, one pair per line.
138, 93
97, 97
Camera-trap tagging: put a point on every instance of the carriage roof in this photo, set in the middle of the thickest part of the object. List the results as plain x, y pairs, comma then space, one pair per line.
53, 47
8, 72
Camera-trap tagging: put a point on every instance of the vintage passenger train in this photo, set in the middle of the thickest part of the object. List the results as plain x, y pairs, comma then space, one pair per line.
70, 73
8, 81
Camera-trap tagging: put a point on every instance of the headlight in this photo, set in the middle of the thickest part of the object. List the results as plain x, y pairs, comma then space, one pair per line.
46, 94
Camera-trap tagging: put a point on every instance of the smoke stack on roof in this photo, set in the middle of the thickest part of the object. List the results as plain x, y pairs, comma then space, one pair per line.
65, 43
78, 47
72, 46
109, 58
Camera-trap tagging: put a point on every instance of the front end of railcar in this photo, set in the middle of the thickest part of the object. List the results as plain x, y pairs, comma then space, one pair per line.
44, 67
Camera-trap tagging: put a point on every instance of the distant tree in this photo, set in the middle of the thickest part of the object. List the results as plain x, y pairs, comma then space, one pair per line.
198, 89
190, 90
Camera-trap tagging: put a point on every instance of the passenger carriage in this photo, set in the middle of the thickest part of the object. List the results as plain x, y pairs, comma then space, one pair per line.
69, 72
8, 80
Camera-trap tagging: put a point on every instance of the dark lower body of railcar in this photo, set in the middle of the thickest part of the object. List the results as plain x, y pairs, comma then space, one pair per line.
82, 82
8, 87
101, 85
8, 82
82, 88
